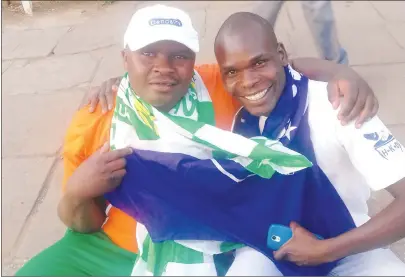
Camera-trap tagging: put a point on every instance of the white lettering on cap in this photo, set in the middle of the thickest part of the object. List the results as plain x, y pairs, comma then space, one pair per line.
165, 21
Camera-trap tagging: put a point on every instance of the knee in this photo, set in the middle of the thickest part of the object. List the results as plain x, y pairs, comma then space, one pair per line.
379, 262
396, 268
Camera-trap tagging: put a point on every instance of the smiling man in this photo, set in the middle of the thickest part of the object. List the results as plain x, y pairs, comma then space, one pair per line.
280, 103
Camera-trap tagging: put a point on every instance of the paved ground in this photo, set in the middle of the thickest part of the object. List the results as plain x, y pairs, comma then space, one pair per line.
51, 59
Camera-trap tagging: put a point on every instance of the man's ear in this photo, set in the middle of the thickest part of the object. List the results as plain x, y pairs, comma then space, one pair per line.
283, 54
124, 54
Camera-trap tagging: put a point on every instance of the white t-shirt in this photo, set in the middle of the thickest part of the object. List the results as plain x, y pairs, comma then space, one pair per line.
354, 160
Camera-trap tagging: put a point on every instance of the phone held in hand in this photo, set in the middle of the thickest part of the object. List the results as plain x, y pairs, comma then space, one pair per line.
278, 235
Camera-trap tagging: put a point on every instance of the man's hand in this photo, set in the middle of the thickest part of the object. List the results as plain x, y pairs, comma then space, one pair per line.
82, 207
358, 98
103, 94
99, 174
303, 249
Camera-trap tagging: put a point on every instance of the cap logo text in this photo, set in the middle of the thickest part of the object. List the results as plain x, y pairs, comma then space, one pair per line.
165, 21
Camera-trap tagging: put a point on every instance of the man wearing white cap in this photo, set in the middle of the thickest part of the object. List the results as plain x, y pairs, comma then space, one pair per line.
159, 55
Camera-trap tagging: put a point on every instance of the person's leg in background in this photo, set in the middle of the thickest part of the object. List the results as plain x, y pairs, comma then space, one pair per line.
269, 10
79, 254
378, 262
321, 21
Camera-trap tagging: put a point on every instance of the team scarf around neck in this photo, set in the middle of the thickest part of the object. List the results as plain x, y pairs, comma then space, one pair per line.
185, 177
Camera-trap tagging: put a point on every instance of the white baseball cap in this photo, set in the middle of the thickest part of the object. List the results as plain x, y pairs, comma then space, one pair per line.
158, 22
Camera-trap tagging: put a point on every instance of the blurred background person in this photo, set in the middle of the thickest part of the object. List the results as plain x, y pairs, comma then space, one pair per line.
321, 21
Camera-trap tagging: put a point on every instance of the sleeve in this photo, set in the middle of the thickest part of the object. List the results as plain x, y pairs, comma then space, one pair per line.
225, 106
374, 151
86, 133
209, 73
73, 147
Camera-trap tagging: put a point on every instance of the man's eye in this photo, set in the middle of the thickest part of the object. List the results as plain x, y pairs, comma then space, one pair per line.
180, 57
259, 63
231, 72
148, 54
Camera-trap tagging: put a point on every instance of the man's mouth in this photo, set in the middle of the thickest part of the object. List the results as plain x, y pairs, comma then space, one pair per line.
163, 86
258, 95
168, 84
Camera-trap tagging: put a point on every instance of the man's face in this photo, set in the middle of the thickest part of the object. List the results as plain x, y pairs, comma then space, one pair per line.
160, 73
252, 70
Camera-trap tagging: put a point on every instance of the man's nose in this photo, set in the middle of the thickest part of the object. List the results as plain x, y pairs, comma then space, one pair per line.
163, 65
250, 79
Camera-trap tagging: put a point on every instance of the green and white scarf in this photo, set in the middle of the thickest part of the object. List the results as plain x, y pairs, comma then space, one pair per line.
189, 129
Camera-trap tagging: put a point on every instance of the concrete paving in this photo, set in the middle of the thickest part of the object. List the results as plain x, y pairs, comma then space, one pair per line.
51, 59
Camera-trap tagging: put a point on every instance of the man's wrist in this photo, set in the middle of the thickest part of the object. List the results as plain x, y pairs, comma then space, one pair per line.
333, 249
345, 73
77, 191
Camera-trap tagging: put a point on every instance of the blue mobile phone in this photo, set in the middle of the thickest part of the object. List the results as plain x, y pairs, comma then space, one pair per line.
278, 235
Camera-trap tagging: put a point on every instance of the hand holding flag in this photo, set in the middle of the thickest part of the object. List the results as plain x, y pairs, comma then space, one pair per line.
100, 173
